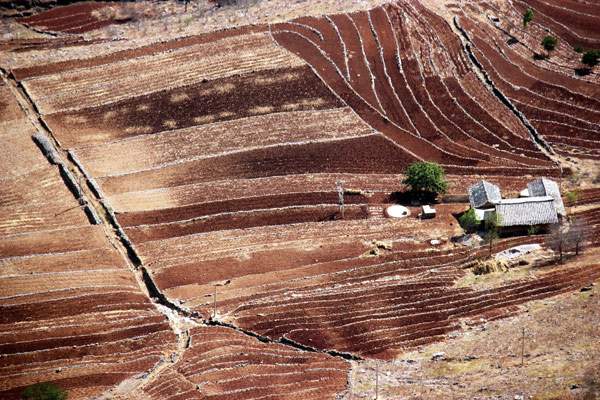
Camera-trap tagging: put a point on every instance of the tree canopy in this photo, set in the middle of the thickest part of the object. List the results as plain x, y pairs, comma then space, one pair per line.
549, 43
426, 177
44, 391
527, 17
591, 58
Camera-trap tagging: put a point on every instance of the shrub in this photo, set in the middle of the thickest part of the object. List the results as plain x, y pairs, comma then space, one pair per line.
590, 58
578, 48
44, 391
469, 220
527, 17
549, 43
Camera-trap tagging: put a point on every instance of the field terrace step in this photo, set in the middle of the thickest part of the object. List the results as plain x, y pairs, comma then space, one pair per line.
209, 140
121, 55
371, 154
134, 77
200, 103
76, 18
223, 363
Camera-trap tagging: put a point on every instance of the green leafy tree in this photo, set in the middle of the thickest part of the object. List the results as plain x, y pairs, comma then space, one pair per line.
527, 17
578, 49
549, 43
427, 178
591, 58
469, 220
44, 391
492, 223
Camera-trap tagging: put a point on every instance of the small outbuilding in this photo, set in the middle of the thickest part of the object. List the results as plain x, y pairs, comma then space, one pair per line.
484, 195
427, 212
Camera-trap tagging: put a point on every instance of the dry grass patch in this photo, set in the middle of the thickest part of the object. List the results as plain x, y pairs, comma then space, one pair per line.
204, 119
139, 130
179, 97
170, 123
261, 110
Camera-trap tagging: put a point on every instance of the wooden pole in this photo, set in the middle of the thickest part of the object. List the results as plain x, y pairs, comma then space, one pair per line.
376, 380
215, 308
523, 348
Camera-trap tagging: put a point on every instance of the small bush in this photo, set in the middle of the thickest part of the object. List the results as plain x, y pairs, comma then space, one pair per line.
549, 43
591, 58
578, 49
468, 221
44, 391
527, 17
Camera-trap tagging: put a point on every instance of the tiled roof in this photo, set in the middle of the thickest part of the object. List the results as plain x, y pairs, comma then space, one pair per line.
483, 193
527, 211
547, 187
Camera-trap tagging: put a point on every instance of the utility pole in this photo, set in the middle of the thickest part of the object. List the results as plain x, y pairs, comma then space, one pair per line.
523, 348
215, 308
376, 380
339, 183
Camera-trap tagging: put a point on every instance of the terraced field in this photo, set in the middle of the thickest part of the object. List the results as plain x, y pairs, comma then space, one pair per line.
561, 105
222, 364
72, 312
73, 19
212, 163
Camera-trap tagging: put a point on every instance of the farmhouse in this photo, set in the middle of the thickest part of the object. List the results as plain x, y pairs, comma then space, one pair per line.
518, 214
541, 209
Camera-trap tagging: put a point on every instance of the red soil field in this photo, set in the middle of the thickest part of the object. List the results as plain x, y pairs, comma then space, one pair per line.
71, 311
222, 175
371, 154
396, 93
217, 100
76, 18
224, 364
156, 48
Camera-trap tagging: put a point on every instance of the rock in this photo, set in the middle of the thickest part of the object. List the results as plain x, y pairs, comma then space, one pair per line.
586, 289
438, 355
575, 386
435, 242
59, 369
